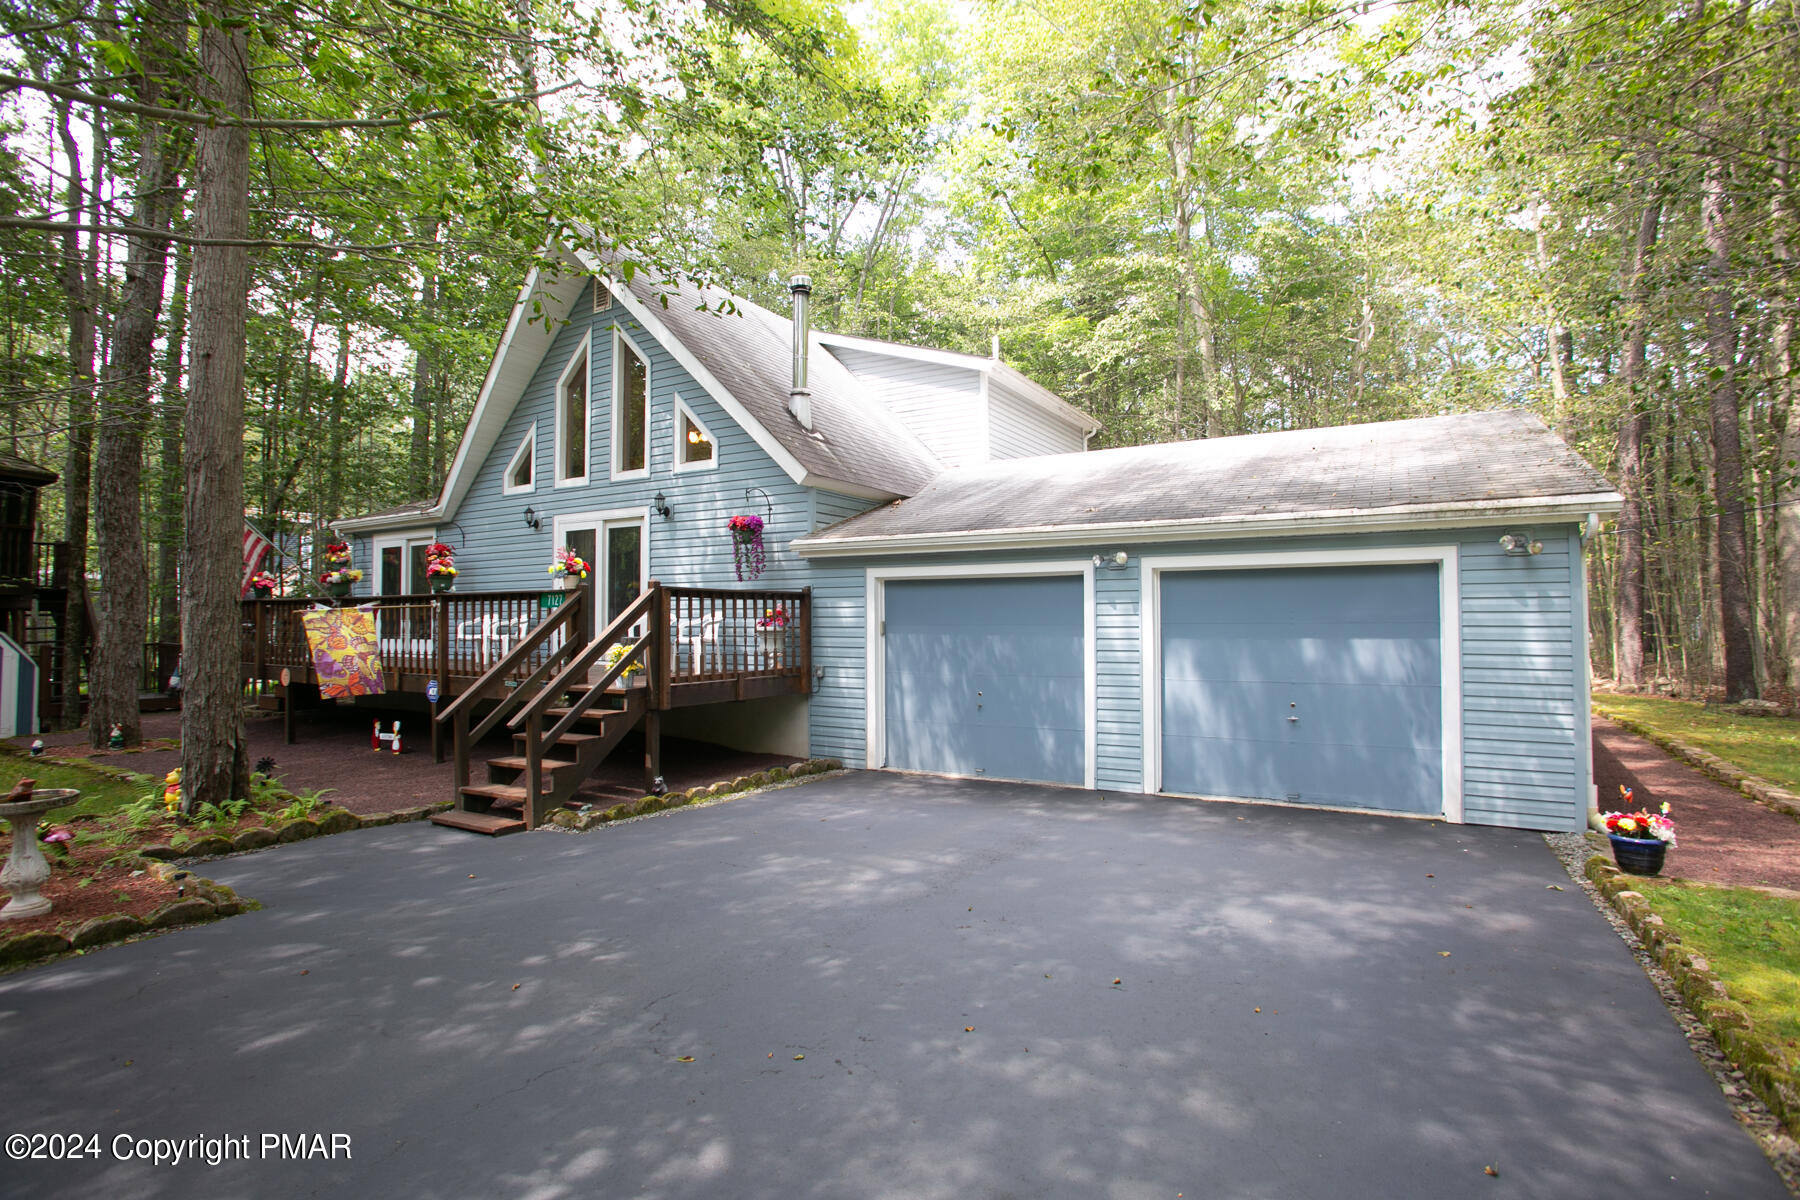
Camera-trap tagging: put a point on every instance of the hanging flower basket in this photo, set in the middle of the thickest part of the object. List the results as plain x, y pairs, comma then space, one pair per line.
440, 566
747, 554
1640, 839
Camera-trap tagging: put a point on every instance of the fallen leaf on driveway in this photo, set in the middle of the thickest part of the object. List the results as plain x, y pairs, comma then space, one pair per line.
968, 1029
1443, 954
1490, 1171
798, 1057
685, 1058
1554, 887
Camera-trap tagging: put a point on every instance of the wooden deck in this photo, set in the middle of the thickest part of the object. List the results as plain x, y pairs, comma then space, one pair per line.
722, 644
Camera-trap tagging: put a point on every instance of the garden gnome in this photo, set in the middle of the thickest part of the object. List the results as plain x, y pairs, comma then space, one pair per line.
116, 739
37, 747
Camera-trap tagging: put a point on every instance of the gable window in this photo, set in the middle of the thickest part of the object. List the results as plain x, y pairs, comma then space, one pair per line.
631, 408
694, 448
572, 421
521, 469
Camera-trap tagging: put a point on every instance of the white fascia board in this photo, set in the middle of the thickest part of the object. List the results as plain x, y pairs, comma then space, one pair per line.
681, 354
860, 491
390, 522
1462, 516
468, 461
944, 358
1036, 393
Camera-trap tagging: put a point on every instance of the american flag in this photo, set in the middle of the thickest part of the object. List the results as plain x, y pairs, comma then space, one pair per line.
256, 548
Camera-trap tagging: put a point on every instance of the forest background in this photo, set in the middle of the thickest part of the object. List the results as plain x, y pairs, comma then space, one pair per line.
256, 256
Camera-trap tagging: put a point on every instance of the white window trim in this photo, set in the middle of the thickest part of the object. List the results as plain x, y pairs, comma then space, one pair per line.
598, 520
404, 540
678, 446
618, 375
1150, 573
527, 447
584, 359
875, 658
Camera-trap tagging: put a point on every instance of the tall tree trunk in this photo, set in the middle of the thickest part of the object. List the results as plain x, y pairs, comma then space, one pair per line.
79, 292
424, 372
125, 413
334, 427
1787, 405
213, 764
1555, 335
1630, 592
168, 544
1735, 617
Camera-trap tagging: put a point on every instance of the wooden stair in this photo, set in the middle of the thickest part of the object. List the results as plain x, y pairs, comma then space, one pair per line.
503, 804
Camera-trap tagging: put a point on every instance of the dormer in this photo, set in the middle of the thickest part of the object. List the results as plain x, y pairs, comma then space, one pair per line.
965, 409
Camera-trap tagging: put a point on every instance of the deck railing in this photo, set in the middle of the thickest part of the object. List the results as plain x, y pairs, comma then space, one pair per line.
715, 636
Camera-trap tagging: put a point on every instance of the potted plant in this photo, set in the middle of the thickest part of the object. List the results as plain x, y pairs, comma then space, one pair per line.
1640, 839
337, 582
262, 585
613, 654
567, 569
440, 566
771, 628
747, 552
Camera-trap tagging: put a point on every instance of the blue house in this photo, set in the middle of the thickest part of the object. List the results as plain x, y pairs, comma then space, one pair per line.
1384, 617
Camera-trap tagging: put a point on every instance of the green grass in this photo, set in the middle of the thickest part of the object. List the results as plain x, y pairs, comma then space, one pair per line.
1752, 941
1768, 747
100, 792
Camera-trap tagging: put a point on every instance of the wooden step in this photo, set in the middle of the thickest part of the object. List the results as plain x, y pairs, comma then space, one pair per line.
476, 822
518, 762
571, 740
498, 793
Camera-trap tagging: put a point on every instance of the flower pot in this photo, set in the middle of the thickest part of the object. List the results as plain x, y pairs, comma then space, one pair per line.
262, 593
561, 583
442, 585
337, 589
773, 642
1638, 856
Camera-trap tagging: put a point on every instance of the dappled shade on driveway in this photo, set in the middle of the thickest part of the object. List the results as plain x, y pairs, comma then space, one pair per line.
894, 986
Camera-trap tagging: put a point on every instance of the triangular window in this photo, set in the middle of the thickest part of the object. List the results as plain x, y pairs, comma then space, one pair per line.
521, 470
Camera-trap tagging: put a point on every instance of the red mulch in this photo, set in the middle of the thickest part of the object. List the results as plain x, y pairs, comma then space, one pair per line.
1723, 836
332, 752
107, 892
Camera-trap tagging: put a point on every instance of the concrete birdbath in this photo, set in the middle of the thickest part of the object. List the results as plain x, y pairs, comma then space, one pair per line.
26, 868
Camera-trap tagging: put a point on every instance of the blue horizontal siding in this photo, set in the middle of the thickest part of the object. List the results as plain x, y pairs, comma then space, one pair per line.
1524, 687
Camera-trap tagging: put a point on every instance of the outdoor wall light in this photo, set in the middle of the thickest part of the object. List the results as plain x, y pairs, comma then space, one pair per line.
1113, 562
1520, 544
660, 506
532, 520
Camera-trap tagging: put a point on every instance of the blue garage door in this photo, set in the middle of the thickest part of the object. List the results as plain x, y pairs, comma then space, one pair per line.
984, 677
1316, 686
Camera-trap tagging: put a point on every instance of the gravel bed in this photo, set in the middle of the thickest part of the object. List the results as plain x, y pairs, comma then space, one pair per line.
1777, 1143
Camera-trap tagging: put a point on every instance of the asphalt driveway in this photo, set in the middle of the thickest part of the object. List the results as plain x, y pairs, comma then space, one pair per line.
892, 987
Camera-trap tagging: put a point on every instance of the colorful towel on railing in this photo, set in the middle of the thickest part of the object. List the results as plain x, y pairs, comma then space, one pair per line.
345, 650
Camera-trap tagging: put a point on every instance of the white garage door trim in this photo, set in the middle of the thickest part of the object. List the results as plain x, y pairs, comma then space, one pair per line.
875, 667
1449, 628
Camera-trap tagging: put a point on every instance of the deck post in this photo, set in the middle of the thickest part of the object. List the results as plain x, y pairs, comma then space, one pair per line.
653, 752
287, 714
262, 643
806, 664
534, 775
661, 664
441, 668
460, 734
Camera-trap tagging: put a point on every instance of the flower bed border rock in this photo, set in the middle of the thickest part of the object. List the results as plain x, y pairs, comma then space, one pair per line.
209, 901
1705, 994
1760, 790
580, 821
200, 899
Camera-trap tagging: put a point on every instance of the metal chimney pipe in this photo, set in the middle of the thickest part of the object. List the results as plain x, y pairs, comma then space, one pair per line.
799, 398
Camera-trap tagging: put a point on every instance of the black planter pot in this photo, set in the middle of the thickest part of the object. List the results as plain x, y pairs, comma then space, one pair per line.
1639, 856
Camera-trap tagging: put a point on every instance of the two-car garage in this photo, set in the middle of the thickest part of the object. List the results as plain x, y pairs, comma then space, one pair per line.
1320, 682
